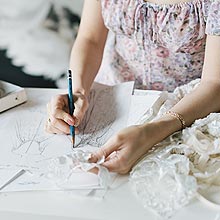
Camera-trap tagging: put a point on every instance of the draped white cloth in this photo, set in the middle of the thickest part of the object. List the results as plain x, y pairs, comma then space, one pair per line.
38, 35
184, 165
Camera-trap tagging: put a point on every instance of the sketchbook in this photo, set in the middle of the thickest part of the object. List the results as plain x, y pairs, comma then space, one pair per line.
11, 95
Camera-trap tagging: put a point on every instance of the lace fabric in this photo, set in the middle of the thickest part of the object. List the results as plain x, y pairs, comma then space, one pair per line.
74, 171
184, 163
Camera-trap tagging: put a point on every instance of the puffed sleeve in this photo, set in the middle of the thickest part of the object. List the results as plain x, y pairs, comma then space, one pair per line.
118, 15
213, 19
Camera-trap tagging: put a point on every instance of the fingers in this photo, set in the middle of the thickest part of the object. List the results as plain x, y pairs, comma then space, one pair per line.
58, 108
51, 129
117, 163
116, 155
106, 150
60, 114
60, 119
58, 124
111, 163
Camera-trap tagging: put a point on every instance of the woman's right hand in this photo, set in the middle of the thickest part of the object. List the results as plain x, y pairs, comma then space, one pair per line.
59, 119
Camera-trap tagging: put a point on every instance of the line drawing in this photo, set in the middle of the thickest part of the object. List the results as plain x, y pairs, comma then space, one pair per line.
97, 125
26, 145
30, 141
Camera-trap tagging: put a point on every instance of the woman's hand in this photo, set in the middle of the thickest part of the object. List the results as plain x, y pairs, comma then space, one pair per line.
124, 149
59, 119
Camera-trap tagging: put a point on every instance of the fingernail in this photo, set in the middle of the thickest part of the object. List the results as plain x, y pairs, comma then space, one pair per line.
70, 122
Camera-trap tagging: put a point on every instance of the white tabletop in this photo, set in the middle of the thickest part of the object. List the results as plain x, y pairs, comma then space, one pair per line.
119, 203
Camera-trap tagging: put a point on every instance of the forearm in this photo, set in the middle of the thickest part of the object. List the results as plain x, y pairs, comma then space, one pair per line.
88, 49
85, 61
198, 104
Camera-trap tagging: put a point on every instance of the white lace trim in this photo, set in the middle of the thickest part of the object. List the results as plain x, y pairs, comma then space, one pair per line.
188, 161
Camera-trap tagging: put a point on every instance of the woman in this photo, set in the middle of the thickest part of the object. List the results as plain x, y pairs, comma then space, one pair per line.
159, 44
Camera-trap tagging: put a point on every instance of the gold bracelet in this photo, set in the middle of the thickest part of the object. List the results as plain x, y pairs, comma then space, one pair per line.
179, 117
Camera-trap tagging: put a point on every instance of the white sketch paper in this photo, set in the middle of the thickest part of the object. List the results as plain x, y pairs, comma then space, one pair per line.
139, 105
107, 114
25, 144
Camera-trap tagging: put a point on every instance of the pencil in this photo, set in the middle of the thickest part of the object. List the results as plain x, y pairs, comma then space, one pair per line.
21, 172
71, 104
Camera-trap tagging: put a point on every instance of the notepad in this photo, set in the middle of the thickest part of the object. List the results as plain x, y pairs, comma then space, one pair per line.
11, 95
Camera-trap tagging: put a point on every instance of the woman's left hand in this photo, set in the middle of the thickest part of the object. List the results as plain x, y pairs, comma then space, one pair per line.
124, 149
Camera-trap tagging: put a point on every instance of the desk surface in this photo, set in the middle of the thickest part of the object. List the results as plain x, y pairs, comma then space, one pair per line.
119, 202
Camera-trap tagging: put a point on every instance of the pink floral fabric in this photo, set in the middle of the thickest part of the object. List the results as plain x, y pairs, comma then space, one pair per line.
158, 46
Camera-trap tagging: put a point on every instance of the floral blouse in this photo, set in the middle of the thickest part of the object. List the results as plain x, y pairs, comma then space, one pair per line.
158, 46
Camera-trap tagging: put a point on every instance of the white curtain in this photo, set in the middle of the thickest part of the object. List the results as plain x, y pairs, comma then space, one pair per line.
38, 35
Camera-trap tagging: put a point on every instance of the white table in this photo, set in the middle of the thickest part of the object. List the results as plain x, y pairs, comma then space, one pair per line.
119, 203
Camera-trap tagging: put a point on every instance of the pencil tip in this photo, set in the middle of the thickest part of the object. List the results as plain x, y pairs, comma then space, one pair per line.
73, 141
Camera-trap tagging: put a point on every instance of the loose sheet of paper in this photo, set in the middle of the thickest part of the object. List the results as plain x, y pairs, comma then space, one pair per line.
138, 107
141, 102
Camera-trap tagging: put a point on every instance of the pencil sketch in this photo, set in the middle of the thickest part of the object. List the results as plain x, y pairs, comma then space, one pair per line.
97, 124
30, 141
27, 146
